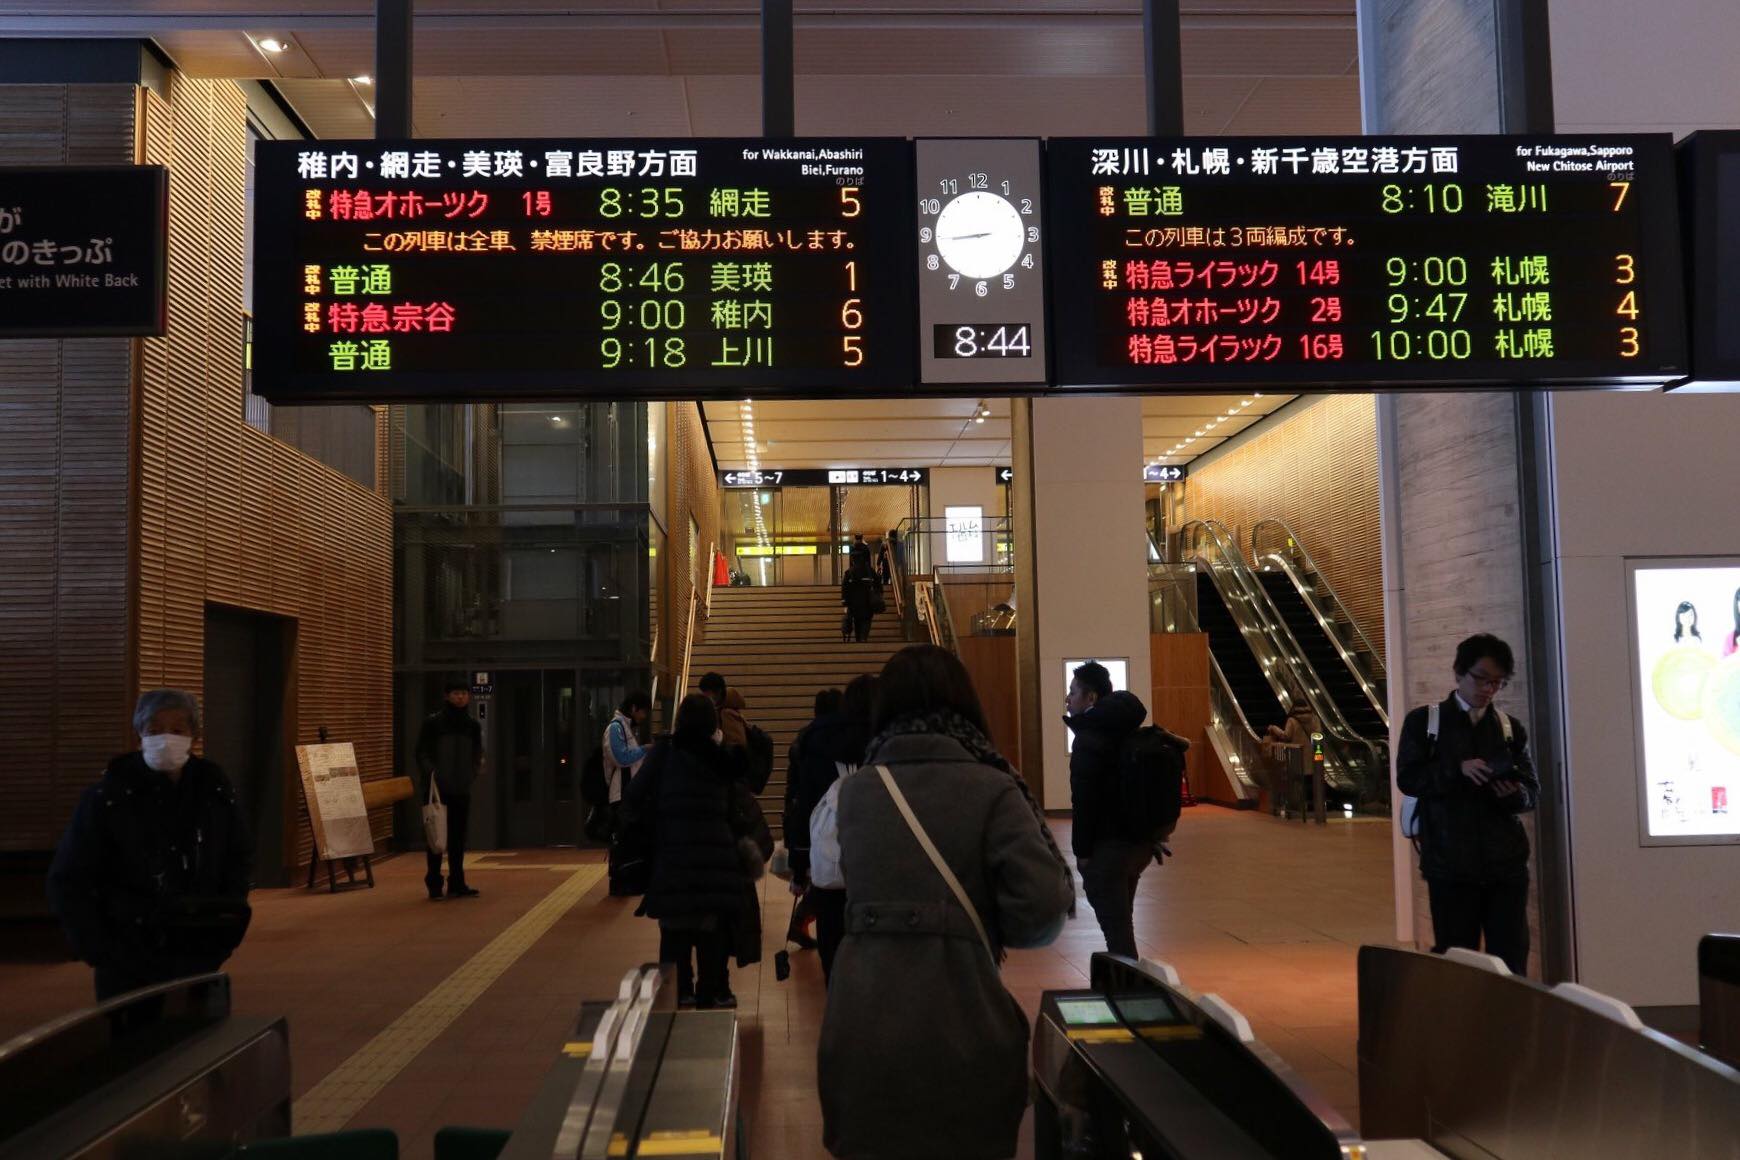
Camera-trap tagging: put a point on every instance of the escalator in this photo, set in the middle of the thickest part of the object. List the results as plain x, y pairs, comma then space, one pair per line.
1269, 669
1232, 652
1325, 655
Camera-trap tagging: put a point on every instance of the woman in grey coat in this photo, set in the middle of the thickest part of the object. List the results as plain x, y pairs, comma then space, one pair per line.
923, 1052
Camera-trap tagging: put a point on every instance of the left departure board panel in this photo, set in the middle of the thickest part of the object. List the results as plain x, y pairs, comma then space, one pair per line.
454, 269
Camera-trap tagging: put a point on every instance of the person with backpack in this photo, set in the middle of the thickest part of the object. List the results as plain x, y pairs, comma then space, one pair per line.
738, 733
621, 756
1125, 787
1466, 766
833, 748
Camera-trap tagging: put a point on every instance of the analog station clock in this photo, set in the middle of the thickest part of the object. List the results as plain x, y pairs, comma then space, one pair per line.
981, 293
982, 239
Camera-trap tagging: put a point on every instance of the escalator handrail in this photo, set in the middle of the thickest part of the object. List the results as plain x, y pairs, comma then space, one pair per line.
1296, 545
1274, 631
1219, 676
1246, 738
1372, 696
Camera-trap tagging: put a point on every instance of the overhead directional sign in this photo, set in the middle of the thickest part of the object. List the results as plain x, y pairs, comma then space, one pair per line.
497, 269
1154, 473
824, 477
1003, 475
1365, 261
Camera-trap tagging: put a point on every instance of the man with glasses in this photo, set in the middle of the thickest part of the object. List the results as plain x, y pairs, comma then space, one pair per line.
1467, 765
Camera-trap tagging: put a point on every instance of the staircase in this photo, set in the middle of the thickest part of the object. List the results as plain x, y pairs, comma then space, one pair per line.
779, 647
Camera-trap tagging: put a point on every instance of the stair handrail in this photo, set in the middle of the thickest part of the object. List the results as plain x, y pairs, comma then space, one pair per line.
1373, 695
1261, 624
896, 579
689, 644
1226, 714
925, 606
712, 569
1292, 548
945, 619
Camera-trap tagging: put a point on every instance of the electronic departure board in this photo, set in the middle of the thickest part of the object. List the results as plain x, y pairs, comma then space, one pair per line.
1362, 262
504, 269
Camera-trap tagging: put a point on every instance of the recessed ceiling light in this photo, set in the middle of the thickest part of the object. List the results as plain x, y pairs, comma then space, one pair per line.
271, 44
364, 79
979, 419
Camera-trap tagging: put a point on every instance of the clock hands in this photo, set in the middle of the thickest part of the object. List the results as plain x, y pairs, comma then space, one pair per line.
965, 237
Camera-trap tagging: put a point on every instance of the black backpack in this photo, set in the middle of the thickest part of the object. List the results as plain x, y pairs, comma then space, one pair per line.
594, 786
760, 749
1151, 781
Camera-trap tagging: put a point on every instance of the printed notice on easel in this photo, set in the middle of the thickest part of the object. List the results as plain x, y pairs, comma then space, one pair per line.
332, 788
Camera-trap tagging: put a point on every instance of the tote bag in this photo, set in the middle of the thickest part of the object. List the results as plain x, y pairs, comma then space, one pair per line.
435, 820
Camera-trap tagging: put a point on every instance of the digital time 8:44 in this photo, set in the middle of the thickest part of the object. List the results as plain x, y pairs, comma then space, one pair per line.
983, 340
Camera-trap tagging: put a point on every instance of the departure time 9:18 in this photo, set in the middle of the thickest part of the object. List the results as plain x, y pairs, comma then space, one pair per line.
639, 333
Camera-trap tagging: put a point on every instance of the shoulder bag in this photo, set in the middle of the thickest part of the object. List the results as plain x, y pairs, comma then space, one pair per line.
435, 820
936, 859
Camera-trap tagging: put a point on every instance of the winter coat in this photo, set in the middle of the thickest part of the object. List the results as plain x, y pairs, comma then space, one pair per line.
686, 792
829, 746
923, 1051
152, 876
1095, 806
450, 746
857, 591
1467, 832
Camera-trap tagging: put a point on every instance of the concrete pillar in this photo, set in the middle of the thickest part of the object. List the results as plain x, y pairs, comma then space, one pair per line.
1450, 469
1082, 566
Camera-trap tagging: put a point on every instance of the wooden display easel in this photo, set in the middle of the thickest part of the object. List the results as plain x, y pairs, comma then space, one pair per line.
337, 812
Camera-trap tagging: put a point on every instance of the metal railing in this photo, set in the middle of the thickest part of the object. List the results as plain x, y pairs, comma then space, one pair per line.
896, 579
1273, 545
1172, 608
1354, 763
695, 604
925, 545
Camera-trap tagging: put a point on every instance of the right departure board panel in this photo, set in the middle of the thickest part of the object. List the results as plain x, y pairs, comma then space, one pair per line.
1365, 261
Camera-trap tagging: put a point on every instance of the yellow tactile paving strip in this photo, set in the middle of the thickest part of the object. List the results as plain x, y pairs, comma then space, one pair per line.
332, 1102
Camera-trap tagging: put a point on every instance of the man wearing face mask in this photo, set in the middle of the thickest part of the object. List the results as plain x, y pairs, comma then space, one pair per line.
151, 879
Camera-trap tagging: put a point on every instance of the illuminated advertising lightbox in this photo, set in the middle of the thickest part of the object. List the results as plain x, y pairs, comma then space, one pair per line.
1118, 667
1685, 621
502, 269
966, 534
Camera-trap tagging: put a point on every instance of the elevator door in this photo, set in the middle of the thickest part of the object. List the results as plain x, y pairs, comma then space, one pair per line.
247, 658
535, 729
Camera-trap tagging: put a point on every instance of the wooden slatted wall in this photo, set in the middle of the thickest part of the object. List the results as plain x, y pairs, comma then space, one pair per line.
1317, 470
65, 692
694, 491
229, 515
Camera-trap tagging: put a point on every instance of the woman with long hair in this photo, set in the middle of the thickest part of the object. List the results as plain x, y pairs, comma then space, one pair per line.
699, 884
947, 861
1683, 625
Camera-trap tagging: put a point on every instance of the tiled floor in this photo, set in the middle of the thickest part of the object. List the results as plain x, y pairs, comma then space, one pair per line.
474, 997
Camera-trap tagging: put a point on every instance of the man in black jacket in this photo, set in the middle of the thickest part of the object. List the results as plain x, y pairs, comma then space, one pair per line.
1109, 855
151, 878
1471, 782
450, 750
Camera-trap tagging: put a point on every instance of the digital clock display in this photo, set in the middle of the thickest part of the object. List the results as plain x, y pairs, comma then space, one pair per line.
1458, 261
522, 268
982, 340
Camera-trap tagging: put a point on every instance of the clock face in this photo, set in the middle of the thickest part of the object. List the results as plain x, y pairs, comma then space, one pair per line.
980, 234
